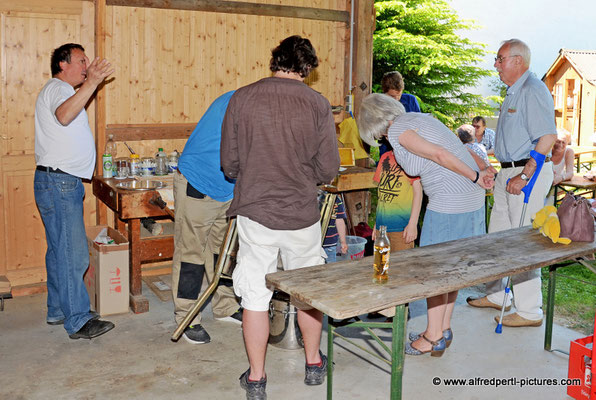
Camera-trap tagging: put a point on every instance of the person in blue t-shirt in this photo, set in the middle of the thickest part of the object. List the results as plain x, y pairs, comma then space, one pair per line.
392, 85
202, 195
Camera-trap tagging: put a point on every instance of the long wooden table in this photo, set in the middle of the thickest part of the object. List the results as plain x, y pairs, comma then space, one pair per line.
129, 208
578, 151
577, 182
345, 289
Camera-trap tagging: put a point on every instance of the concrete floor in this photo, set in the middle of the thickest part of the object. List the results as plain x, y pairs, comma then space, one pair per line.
137, 360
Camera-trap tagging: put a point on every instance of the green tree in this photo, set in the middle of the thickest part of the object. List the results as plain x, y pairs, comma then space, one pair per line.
419, 39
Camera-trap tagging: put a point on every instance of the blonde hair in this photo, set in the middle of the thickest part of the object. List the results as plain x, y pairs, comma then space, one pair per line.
376, 111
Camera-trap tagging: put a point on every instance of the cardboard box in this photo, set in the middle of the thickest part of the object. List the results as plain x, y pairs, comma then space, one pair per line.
107, 279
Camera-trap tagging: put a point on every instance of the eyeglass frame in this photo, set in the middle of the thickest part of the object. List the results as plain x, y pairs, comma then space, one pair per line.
500, 59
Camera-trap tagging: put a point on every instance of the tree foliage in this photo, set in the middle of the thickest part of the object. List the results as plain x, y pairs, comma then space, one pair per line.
419, 39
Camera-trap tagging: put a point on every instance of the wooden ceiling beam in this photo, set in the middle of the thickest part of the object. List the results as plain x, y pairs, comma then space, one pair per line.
238, 7
130, 132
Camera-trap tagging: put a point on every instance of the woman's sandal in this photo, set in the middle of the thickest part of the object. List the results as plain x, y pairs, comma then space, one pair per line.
437, 349
447, 334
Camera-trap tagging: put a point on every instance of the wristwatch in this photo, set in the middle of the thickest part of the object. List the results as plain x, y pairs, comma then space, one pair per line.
524, 177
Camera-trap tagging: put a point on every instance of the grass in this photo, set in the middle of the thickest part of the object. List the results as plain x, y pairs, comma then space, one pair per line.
575, 301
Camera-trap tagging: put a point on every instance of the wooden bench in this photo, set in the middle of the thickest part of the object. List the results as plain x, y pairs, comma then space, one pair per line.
345, 289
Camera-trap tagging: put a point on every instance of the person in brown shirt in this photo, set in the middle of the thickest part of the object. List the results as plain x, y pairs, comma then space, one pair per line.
279, 143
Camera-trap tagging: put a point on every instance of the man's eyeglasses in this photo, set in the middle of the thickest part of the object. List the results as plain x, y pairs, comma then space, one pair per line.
499, 59
477, 126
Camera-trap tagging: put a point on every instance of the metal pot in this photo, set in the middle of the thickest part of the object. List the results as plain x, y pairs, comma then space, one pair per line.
283, 323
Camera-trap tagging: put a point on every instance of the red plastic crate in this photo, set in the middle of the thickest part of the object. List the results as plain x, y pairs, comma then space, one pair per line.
581, 367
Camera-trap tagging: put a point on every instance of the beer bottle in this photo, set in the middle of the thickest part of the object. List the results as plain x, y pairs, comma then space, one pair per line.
382, 252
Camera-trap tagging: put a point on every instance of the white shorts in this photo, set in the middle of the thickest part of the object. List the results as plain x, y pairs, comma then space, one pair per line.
257, 256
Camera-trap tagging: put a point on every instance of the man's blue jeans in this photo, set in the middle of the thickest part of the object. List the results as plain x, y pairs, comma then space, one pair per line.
59, 198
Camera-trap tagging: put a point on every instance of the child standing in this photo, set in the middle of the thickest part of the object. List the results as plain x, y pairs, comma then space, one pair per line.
336, 230
399, 202
398, 208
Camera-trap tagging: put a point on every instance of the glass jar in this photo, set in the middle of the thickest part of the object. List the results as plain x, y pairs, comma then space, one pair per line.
122, 168
173, 161
148, 166
135, 165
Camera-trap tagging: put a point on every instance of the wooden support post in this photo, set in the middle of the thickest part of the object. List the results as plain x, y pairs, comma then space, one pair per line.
364, 27
100, 103
138, 302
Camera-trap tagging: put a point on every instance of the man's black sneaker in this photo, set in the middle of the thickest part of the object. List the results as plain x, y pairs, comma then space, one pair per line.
93, 328
315, 375
196, 334
254, 390
235, 318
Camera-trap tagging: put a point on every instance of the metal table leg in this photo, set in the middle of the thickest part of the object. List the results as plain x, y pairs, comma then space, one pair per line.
330, 333
550, 307
396, 362
397, 351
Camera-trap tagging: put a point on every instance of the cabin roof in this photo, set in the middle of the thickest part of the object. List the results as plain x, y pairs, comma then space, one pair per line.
583, 61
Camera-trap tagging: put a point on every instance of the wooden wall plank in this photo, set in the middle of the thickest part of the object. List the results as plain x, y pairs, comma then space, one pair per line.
190, 58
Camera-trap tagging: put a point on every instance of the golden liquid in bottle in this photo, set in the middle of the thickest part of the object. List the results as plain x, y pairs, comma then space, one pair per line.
381, 264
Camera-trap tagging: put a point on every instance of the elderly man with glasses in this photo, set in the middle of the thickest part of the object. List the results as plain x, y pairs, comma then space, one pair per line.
484, 135
526, 123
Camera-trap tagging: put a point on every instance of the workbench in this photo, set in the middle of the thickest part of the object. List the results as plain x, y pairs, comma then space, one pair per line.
129, 207
345, 289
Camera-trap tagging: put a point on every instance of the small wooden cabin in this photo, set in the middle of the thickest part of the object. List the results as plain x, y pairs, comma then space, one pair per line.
172, 59
572, 82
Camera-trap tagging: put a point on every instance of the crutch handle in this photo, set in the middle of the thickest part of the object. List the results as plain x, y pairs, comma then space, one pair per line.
527, 190
539, 158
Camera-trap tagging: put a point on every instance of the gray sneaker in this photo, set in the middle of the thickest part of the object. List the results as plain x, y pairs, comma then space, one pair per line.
235, 318
315, 375
196, 334
254, 390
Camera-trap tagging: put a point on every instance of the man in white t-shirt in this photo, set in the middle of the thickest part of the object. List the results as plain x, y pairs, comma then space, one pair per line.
65, 154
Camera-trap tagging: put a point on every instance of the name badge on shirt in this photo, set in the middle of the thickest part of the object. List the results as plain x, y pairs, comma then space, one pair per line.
511, 110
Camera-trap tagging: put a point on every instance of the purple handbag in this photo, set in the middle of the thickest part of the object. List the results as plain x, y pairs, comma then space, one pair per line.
577, 223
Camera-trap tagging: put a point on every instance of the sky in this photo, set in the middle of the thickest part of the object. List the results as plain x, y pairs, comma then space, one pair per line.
545, 25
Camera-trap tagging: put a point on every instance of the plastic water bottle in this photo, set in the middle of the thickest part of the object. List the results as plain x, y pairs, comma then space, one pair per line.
161, 153
382, 252
108, 157
161, 162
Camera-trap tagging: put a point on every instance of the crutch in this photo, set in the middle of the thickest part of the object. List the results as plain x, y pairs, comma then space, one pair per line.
327, 206
527, 190
226, 252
